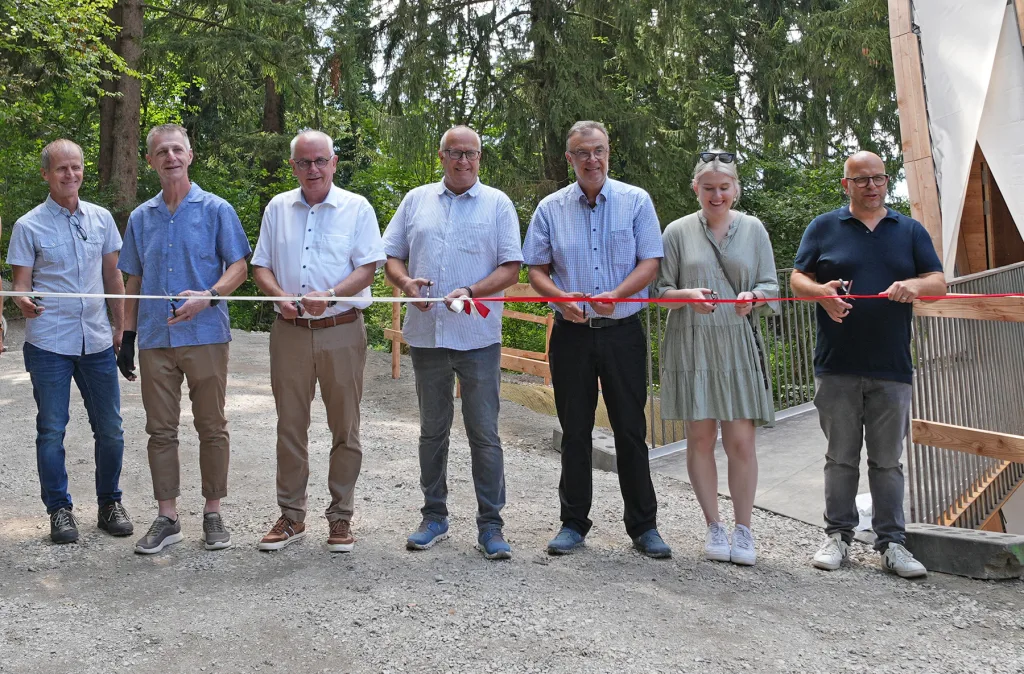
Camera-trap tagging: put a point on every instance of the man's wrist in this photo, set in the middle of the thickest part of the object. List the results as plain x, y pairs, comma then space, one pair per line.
214, 293
469, 290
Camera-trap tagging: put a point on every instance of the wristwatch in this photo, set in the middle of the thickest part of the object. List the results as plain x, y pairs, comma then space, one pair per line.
332, 294
213, 293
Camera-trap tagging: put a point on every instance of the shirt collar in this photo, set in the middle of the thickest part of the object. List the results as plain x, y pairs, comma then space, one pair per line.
56, 209
332, 199
845, 214
576, 192
473, 191
195, 193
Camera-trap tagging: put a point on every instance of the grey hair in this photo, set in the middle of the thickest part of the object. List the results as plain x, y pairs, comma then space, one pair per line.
311, 133
459, 127
165, 129
61, 145
716, 166
584, 127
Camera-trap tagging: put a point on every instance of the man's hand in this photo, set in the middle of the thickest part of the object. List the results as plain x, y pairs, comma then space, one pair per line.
314, 307
118, 339
458, 292
837, 309
29, 308
126, 355
3, 327
746, 303
411, 288
288, 310
571, 311
197, 302
603, 308
903, 291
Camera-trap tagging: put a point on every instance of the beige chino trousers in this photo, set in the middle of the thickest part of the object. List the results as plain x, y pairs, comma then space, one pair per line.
299, 359
162, 371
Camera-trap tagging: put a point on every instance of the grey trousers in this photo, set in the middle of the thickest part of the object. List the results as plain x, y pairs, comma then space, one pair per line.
855, 411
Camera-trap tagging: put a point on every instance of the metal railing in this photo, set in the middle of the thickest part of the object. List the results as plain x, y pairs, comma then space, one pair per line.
968, 373
788, 337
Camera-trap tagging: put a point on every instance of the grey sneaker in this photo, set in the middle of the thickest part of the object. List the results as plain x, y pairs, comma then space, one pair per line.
63, 526
115, 520
162, 532
215, 535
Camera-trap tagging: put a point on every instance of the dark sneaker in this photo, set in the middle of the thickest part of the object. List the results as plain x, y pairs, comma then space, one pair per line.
215, 535
492, 543
565, 542
284, 532
429, 532
115, 520
649, 543
340, 539
162, 532
63, 526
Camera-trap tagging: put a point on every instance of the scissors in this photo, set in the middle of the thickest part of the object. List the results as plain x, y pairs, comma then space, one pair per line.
174, 309
845, 287
712, 296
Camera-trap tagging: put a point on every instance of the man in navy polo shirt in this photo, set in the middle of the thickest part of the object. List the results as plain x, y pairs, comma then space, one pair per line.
862, 364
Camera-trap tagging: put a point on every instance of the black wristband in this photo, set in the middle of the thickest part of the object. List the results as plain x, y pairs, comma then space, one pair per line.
128, 337
468, 290
213, 293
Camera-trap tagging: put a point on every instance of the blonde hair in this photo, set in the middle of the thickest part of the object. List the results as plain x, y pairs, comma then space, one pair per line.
718, 166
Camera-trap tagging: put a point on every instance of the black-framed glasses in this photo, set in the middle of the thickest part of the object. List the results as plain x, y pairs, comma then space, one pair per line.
878, 180
598, 153
724, 157
304, 164
456, 155
77, 224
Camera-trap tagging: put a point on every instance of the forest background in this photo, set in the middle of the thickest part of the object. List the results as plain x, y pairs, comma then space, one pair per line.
791, 85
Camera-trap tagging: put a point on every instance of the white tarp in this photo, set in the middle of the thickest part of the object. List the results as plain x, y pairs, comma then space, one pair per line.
958, 50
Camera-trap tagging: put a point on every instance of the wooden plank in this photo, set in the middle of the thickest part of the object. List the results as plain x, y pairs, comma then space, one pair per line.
522, 290
522, 353
972, 222
519, 315
1019, 5
972, 494
525, 365
900, 19
968, 440
915, 139
924, 198
396, 343
1005, 309
394, 335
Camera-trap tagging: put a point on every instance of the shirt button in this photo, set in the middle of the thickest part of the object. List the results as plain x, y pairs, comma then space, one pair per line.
170, 269
303, 285
172, 222
307, 247
303, 266
171, 245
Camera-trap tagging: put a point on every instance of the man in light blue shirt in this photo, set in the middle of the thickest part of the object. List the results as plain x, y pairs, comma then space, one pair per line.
599, 239
456, 238
182, 242
67, 245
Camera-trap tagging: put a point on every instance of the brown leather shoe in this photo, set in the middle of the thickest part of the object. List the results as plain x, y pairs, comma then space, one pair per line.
284, 532
340, 539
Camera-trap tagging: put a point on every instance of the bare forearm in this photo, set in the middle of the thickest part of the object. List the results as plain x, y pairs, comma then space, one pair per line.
113, 284
358, 280
540, 280
266, 281
232, 277
504, 276
639, 278
805, 285
930, 285
131, 305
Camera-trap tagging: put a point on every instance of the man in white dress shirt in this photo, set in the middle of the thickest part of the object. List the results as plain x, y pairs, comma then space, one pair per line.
317, 241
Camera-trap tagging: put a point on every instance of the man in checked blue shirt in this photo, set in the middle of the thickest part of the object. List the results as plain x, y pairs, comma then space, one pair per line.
183, 242
598, 238
67, 245
456, 238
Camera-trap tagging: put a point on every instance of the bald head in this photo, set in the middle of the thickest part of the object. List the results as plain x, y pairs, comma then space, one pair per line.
863, 163
865, 182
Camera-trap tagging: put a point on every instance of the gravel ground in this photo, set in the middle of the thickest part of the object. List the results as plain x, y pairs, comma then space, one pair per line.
96, 607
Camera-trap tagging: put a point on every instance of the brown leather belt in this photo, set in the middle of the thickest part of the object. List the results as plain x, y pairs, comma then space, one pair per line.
321, 323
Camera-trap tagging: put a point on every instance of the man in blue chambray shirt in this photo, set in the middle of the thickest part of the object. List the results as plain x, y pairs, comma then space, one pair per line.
183, 242
459, 238
598, 238
68, 245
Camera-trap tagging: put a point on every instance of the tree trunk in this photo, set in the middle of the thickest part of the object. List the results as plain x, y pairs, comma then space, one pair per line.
545, 51
273, 122
119, 116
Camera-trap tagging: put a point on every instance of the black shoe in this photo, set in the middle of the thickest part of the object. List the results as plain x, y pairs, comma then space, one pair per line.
115, 520
63, 526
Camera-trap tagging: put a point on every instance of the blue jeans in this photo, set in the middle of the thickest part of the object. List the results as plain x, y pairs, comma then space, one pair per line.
873, 413
479, 372
96, 377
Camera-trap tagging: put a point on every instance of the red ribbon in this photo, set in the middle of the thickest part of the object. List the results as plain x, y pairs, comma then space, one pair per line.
688, 300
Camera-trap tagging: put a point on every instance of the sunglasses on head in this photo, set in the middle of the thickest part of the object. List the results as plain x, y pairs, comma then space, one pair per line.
724, 157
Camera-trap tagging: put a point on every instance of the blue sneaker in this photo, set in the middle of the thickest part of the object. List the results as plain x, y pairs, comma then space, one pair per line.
492, 543
651, 544
565, 542
429, 532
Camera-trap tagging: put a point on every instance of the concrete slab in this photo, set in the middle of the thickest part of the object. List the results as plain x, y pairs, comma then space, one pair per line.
967, 552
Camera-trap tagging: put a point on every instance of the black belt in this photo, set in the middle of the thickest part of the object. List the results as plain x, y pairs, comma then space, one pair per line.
600, 321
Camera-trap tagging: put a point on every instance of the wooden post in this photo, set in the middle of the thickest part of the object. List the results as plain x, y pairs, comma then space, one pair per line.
1019, 6
916, 140
396, 341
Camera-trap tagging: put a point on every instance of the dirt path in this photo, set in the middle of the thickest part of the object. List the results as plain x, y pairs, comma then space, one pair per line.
96, 607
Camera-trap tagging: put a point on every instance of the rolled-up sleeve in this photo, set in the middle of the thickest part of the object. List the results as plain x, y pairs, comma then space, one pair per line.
647, 230
509, 248
537, 246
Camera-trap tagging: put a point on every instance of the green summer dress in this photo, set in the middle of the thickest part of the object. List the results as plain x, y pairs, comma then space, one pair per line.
710, 363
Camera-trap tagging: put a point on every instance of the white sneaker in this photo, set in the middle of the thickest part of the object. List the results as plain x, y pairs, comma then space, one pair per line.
831, 555
716, 543
743, 552
897, 559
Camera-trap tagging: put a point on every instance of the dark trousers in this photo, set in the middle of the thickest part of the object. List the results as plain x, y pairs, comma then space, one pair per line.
579, 357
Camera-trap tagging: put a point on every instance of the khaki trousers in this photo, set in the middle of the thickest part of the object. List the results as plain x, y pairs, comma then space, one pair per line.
299, 358
205, 368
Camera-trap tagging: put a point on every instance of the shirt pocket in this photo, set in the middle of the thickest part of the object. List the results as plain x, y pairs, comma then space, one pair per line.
622, 249
54, 251
476, 238
335, 249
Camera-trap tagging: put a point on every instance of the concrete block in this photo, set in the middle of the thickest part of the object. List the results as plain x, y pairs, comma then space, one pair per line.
604, 449
967, 552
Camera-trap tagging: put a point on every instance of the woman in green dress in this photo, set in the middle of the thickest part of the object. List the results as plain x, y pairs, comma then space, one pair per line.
712, 372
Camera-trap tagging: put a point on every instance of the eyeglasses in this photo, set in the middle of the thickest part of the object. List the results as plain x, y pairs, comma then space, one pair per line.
584, 155
304, 164
724, 157
76, 223
456, 155
862, 181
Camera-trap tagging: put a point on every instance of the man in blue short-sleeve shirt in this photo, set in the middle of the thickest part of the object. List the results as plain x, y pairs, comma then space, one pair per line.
862, 361
598, 238
182, 242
